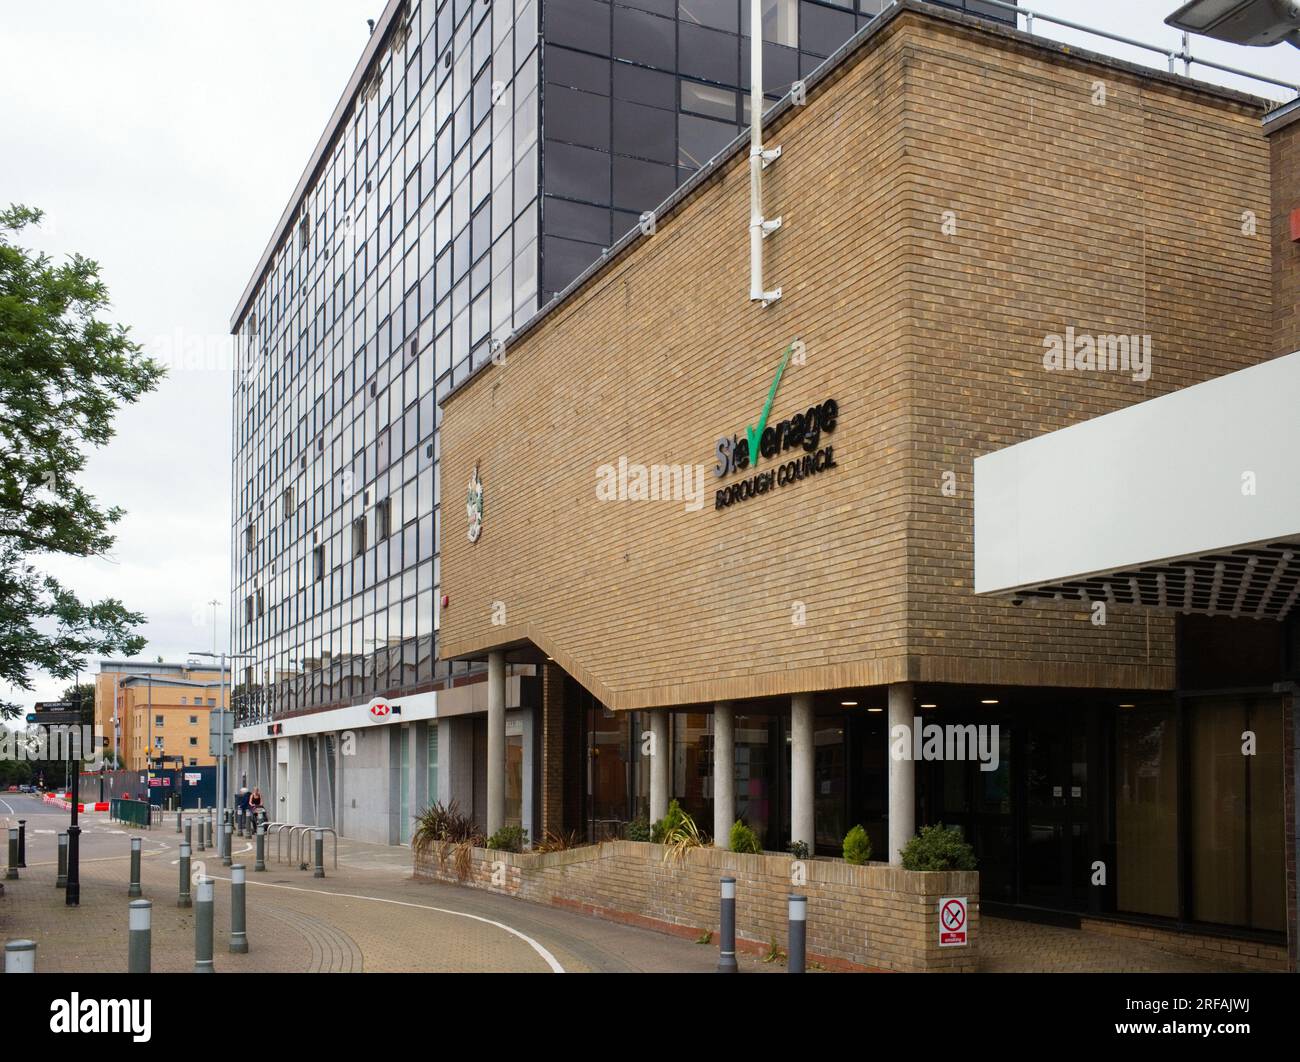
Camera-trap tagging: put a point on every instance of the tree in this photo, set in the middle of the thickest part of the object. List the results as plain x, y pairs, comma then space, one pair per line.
64, 371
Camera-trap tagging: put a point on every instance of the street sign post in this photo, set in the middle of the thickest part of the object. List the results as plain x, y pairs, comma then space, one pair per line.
54, 718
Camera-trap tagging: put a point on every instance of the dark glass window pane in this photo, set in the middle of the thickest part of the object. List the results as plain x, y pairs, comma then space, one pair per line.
587, 72
699, 139
576, 221
647, 132
562, 260
710, 55
645, 38
716, 14
642, 185
579, 24
780, 69
578, 117
639, 85
659, 7
709, 100
577, 172
822, 30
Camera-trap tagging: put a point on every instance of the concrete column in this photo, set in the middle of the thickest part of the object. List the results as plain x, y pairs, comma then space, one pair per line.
660, 758
802, 760
724, 774
496, 742
902, 774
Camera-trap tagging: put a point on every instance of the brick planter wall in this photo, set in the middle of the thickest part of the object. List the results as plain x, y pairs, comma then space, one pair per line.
859, 917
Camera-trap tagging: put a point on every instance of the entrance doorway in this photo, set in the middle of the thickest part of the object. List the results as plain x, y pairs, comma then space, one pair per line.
1057, 831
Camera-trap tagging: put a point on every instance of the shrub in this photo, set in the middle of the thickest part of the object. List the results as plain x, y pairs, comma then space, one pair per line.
670, 823
508, 839
558, 841
857, 846
743, 839
799, 849
440, 824
938, 848
637, 830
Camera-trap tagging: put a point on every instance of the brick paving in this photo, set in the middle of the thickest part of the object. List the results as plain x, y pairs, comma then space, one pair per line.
1009, 946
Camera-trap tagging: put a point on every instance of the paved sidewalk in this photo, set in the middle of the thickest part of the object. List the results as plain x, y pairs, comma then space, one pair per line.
369, 915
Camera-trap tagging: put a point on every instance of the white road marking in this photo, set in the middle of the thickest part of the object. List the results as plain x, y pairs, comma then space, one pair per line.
9, 806
546, 956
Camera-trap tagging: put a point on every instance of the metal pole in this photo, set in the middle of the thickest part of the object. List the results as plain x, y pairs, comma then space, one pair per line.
227, 843
61, 881
238, 923
798, 934
261, 847
22, 844
20, 956
203, 928
179, 827
139, 940
72, 889
12, 873
202, 830
134, 890
318, 843
188, 832
183, 899
727, 933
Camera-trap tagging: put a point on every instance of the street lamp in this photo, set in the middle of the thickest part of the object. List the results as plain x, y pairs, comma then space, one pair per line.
1259, 23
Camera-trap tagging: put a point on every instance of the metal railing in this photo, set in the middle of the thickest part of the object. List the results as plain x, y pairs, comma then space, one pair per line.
1183, 54
302, 839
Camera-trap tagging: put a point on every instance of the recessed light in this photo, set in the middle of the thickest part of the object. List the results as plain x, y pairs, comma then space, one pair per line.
989, 701
1128, 705
929, 706
848, 704
875, 709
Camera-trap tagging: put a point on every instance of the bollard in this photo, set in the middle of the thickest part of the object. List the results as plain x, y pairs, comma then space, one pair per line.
178, 820
207, 828
318, 843
184, 898
189, 831
238, 924
22, 844
134, 890
727, 932
202, 834
12, 872
227, 844
137, 955
20, 956
203, 927
61, 882
798, 933
261, 847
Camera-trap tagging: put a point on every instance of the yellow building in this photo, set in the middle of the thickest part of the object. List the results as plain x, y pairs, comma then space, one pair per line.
148, 703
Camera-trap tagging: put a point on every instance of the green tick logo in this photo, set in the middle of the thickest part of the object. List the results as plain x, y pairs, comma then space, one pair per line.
754, 434
734, 453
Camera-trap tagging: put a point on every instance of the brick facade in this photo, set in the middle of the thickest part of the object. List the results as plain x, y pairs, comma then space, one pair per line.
1284, 141
1114, 215
873, 917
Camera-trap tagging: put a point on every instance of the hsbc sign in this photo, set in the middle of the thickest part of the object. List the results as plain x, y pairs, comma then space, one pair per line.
380, 709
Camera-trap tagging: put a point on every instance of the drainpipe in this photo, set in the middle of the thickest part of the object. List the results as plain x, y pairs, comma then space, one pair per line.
759, 227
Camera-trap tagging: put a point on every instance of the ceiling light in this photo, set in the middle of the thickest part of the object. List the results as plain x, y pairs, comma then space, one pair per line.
848, 704
875, 709
929, 706
989, 701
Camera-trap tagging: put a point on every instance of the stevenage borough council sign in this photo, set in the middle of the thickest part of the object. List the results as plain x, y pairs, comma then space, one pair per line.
802, 431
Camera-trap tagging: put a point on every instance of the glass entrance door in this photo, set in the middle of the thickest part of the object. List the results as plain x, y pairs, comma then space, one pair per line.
1056, 837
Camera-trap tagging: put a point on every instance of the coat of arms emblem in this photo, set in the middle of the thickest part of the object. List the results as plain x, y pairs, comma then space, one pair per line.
474, 505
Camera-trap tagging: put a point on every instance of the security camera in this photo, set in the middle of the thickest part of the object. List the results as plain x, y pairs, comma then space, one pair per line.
1259, 23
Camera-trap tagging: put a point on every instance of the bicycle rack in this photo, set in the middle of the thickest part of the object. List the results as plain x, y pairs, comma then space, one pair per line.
303, 852
278, 829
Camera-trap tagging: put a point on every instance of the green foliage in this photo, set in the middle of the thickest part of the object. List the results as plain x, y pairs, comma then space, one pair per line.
64, 371
743, 839
440, 824
857, 846
637, 830
670, 823
938, 848
508, 839
799, 849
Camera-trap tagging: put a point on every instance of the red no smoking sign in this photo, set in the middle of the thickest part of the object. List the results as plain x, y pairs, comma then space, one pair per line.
952, 922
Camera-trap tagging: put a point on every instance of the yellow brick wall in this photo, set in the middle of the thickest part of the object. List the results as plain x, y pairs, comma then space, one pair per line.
1110, 218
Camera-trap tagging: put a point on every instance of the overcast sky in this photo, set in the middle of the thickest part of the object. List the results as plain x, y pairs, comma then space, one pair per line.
163, 139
